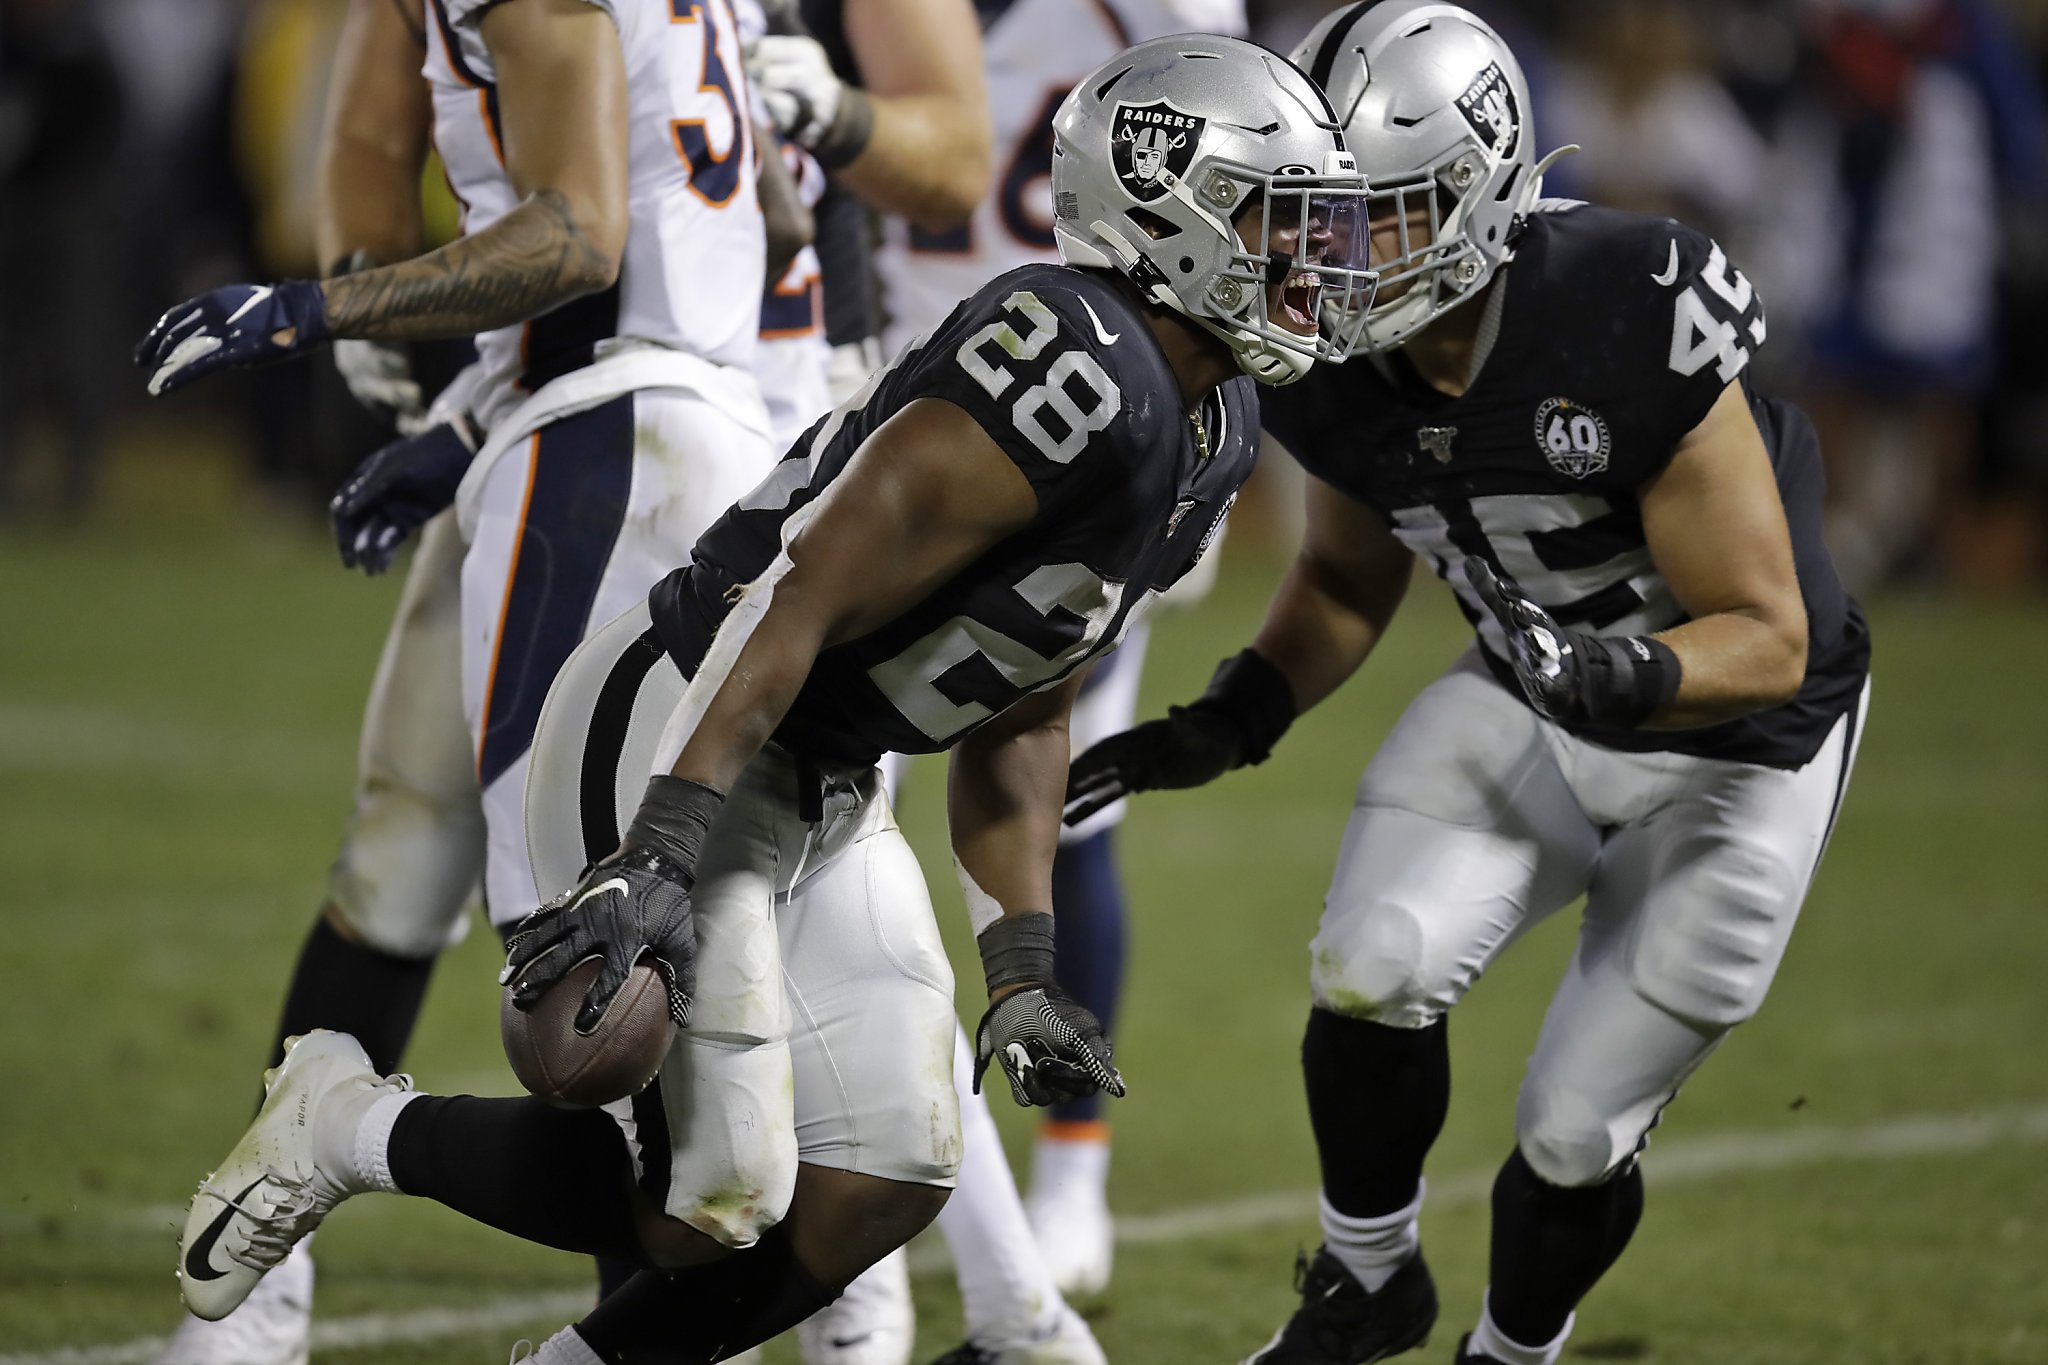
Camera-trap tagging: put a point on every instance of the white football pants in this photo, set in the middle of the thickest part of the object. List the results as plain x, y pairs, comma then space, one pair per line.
822, 1029
1477, 818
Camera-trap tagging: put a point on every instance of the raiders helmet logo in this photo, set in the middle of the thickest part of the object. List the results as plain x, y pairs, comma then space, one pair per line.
1151, 145
1488, 104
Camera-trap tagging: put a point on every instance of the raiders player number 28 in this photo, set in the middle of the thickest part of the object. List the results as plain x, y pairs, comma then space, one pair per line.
931, 567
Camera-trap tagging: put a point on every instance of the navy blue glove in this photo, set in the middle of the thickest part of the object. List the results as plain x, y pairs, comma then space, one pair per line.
396, 491
237, 324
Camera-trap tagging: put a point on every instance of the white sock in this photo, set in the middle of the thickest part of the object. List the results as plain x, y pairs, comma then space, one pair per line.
1489, 1340
564, 1348
1006, 1293
356, 1148
1372, 1249
1066, 1168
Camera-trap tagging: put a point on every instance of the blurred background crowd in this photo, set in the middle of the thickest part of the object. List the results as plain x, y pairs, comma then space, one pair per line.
1878, 167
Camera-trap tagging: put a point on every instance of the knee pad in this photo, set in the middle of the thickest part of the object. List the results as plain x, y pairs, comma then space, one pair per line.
1565, 1139
408, 867
1713, 936
1369, 964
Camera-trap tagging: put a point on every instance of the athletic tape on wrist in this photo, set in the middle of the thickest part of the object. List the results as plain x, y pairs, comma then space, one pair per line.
673, 818
1016, 950
1627, 680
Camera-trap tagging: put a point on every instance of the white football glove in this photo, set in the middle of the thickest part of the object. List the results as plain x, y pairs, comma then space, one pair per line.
379, 375
795, 80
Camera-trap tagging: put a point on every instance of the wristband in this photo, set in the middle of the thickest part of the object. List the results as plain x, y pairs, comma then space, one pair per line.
1624, 680
1254, 698
852, 125
1017, 950
673, 818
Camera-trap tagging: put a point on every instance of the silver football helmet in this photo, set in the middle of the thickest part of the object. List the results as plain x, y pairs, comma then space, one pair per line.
1436, 111
1213, 174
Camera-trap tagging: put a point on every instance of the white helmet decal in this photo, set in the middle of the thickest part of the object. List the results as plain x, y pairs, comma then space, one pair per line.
1150, 139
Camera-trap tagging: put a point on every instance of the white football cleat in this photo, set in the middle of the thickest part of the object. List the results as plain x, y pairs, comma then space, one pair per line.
289, 1169
1067, 1342
274, 1325
1069, 1211
872, 1323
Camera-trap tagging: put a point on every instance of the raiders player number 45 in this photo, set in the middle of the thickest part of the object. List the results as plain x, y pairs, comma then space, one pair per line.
931, 567
1659, 711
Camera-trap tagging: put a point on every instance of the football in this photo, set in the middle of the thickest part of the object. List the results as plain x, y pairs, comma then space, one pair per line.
581, 1071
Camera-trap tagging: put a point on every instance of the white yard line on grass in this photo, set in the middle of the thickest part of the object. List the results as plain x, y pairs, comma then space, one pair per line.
1675, 1163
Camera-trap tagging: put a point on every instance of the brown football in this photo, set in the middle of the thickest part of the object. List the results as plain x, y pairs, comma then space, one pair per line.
581, 1071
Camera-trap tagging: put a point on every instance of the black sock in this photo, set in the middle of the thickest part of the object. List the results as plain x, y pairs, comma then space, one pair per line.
1377, 1097
709, 1313
354, 989
560, 1177
1552, 1244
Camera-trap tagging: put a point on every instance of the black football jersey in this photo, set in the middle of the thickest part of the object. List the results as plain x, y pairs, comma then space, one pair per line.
1060, 369
1618, 332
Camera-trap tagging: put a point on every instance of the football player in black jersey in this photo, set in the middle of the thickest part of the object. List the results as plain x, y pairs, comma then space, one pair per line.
1659, 712
931, 567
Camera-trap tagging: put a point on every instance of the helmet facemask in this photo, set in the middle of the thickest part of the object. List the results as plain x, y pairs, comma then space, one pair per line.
1212, 173
1427, 261
1300, 249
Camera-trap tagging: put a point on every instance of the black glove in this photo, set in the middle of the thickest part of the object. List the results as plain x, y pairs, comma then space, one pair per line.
1571, 676
633, 903
1051, 1047
1249, 704
397, 490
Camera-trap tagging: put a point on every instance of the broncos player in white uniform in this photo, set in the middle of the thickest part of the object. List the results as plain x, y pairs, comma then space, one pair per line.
610, 266
1659, 712
931, 569
1034, 51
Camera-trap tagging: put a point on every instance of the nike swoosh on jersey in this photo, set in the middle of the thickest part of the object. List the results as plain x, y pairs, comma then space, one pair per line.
199, 1257
1670, 275
256, 296
617, 884
1103, 334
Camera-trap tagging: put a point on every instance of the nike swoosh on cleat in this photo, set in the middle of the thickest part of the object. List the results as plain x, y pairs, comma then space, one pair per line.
262, 292
843, 1342
1670, 275
199, 1256
1109, 338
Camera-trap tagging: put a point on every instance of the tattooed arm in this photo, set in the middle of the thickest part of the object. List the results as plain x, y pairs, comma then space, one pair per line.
562, 114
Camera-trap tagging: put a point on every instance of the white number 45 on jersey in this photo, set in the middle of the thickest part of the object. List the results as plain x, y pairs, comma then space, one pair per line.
1699, 334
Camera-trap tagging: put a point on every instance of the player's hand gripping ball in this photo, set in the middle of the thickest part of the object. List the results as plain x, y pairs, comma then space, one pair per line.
598, 980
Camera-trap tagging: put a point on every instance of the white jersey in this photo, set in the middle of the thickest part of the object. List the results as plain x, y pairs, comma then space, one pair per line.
793, 358
1035, 50
695, 254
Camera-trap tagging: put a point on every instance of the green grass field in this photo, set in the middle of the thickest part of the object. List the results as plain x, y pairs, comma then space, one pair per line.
1860, 1176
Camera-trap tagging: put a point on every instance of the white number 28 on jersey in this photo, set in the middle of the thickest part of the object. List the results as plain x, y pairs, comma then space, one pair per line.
1029, 411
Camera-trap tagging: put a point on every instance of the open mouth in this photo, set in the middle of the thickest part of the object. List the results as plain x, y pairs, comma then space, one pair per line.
1297, 303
